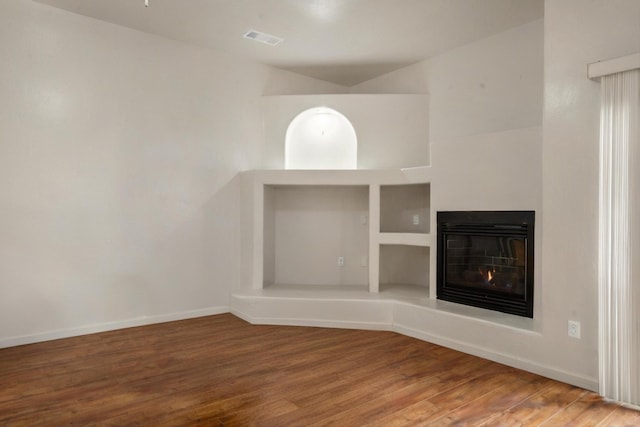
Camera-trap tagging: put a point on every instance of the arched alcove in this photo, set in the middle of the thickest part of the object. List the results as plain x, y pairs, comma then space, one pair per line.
321, 138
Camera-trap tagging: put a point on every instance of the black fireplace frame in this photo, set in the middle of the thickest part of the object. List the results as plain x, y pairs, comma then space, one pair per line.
487, 223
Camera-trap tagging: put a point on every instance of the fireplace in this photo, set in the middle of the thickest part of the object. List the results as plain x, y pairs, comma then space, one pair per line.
485, 259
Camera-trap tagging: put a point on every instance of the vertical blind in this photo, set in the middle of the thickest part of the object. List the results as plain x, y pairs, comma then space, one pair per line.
619, 236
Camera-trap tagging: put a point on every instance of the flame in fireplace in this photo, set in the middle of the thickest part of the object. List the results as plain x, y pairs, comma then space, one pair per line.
488, 275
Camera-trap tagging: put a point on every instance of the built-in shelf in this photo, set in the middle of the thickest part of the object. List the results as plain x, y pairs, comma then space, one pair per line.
405, 239
405, 208
390, 292
404, 265
316, 235
338, 229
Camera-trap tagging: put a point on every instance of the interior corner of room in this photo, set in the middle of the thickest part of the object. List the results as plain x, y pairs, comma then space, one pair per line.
144, 180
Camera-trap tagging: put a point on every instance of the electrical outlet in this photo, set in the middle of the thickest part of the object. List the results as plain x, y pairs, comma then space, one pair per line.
340, 261
363, 220
416, 219
574, 329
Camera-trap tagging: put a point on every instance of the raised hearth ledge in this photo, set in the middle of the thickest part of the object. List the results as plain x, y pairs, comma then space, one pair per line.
396, 294
409, 311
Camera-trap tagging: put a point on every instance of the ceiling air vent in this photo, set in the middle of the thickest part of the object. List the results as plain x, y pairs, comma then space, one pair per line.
262, 37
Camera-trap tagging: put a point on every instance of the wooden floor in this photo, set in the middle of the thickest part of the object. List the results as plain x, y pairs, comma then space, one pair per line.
221, 371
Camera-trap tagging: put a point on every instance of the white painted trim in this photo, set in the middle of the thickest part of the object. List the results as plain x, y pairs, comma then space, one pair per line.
527, 365
598, 69
626, 405
317, 323
374, 246
364, 177
485, 353
258, 235
110, 326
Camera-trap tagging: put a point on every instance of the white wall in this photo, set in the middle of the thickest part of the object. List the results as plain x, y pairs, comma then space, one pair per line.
490, 85
411, 79
117, 162
576, 33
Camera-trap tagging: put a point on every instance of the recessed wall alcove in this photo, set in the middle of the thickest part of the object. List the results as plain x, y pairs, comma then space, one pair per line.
321, 138
392, 130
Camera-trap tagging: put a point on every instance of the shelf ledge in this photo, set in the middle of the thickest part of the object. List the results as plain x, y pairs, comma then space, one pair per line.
411, 239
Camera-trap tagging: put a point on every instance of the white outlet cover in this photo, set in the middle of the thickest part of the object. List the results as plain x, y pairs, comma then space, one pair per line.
574, 329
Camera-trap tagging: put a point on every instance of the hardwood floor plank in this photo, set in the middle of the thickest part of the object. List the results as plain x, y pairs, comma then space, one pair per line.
512, 391
385, 407
221, 371
587, 411
622, 417
539, 407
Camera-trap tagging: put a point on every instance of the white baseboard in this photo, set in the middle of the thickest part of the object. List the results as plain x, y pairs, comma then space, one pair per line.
505, 359
110, 326
486, 353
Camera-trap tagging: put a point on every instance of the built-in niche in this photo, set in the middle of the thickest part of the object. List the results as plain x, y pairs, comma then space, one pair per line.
405, 208
392, 129
316, 235
321, 138
404, 266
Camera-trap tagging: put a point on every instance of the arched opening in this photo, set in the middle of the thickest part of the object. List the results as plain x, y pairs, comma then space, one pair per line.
321, 138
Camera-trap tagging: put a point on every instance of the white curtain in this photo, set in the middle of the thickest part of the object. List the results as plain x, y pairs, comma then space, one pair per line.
619, 256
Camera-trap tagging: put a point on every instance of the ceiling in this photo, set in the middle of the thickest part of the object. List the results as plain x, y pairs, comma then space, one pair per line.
341, 41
